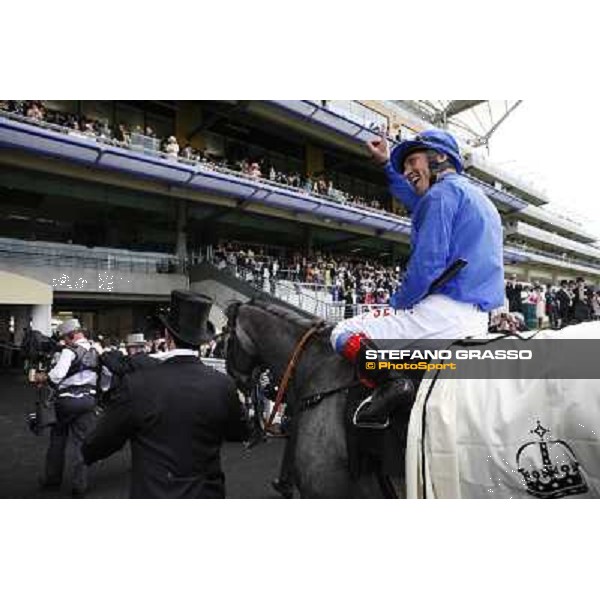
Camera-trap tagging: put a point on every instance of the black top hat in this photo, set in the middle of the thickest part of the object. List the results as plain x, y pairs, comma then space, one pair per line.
188, 317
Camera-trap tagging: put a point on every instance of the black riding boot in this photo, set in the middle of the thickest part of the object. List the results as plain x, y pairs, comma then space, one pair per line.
390, 394
374, 412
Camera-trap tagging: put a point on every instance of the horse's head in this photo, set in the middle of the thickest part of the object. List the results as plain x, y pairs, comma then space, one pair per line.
262, 334
241, 355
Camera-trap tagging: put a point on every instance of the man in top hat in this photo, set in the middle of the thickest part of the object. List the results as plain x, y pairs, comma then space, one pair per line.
176, 415
74, 376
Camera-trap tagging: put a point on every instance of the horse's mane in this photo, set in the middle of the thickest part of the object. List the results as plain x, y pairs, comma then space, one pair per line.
286, 313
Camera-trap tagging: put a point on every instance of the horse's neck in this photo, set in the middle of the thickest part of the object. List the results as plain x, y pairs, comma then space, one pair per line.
317, 366
276, 339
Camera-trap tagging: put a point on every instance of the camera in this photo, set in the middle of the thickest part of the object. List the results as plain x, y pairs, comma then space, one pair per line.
38, 350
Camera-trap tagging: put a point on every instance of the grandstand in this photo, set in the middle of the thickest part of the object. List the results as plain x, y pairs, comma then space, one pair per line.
106, 206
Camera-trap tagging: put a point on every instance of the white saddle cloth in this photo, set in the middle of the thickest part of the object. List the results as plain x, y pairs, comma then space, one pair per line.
518, 438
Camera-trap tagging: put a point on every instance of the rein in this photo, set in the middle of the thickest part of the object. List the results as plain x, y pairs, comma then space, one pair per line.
305, 402
289, 371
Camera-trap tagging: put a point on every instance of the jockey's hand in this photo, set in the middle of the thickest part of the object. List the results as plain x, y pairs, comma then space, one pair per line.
379, 149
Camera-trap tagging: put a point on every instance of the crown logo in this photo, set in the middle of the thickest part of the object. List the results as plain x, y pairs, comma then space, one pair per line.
549, 467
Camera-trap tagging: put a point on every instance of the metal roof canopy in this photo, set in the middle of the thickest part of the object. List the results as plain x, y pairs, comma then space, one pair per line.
478, 125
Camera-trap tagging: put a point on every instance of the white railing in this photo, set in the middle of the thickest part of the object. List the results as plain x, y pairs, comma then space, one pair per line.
359, 113
337, 311
72, 255
552, 239
316, 303
561, 261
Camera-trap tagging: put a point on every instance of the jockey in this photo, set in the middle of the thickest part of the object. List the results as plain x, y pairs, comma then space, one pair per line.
451, 220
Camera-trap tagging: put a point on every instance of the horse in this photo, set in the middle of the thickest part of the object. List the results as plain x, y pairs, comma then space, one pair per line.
461, 438
267, 335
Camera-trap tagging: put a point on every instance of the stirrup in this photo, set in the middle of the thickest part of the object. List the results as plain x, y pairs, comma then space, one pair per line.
373, 425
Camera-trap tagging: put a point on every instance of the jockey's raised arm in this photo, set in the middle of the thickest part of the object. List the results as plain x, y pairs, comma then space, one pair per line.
399, 187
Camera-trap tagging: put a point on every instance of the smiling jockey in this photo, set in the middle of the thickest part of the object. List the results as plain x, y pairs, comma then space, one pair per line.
451, 220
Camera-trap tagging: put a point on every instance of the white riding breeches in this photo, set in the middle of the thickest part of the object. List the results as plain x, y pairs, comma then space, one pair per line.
436, 317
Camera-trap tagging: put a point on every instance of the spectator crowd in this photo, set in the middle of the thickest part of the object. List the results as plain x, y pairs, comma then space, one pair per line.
533, 305
121, 134
347, 279
355, 280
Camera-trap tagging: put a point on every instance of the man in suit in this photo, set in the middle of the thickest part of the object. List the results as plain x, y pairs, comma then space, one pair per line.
564, 303
513, 293
176, 415
119, 365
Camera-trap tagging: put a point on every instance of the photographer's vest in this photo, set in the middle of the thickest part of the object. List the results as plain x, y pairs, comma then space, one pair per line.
84, 360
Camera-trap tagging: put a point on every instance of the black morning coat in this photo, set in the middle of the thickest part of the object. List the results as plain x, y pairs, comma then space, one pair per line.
176, 416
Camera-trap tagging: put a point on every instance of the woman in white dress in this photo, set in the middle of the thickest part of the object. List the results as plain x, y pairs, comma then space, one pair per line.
540, 309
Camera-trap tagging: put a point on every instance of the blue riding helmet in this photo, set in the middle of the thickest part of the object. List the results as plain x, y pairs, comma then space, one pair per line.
432, 139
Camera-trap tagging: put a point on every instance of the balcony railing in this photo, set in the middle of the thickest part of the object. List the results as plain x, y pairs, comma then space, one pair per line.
62, 255
143, 145
552, 239
529, 252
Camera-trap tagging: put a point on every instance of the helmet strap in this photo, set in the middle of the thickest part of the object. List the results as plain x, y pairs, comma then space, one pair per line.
435, 166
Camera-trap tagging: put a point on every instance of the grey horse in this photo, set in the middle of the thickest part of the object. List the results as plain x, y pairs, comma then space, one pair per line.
266, 335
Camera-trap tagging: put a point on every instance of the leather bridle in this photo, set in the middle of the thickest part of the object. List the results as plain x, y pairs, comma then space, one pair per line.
289, 370
235, 348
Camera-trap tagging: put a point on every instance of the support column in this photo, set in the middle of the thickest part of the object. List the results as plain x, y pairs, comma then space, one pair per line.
41, 315
315, 161
112, 235
188, 119
308, 239
4, 324
22, 316
181, 241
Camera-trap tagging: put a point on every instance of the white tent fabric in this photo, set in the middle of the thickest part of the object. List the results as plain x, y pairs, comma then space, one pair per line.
518, 438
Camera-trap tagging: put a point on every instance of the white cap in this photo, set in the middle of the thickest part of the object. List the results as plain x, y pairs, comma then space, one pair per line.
136, 339
68, 326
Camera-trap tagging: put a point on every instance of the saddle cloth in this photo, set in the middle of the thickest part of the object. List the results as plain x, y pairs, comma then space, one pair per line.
509, 438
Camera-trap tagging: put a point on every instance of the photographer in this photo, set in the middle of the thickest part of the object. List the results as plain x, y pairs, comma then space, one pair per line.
74, 378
